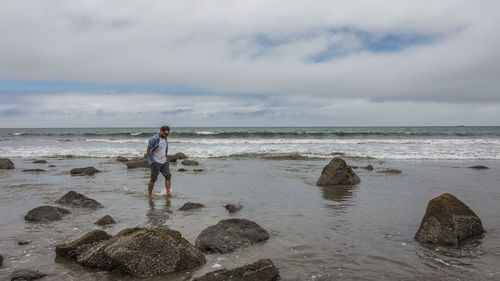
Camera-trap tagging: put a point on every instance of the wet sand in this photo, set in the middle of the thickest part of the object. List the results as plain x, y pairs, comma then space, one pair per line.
363, 232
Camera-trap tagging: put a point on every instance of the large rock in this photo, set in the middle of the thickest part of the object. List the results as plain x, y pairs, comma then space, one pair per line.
229, 235
76, 199
84, 171
26, 275
337, 172
6, 164
106, 220
139, 162
140, 252
180, 156
262, 270
46, 213
447, 221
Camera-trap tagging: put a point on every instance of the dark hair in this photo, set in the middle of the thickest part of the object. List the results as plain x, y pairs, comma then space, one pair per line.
164, 128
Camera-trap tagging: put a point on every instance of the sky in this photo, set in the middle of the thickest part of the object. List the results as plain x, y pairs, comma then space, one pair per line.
249, 63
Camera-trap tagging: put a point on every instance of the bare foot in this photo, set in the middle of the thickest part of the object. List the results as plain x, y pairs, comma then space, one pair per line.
170, 194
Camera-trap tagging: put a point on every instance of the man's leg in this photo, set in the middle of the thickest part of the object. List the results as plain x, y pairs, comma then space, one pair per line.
150, 188
155, 169
168, 187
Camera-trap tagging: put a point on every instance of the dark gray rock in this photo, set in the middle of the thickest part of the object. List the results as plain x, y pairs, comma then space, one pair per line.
180, 156
23, 242
73, 249
390, 171
6, 164
338, 154
262, 270
233, 208
89, 171
369, 168
190, 163
171, 158
139, 162
52, 166
140, 252
479, 167
182, 170
106, 220
1, 260
337, 172
46, 213
33, 170
191, 206
229, 235
26, 275
448, 221
40, 161
76, 199
198, 170
121, 159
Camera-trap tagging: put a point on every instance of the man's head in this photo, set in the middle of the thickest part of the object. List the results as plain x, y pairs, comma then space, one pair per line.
164, 131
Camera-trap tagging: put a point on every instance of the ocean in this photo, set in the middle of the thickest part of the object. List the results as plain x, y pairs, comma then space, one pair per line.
361, 232
437, 143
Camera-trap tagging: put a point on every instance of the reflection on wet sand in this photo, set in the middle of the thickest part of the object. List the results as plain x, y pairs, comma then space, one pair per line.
158, 215
340, 194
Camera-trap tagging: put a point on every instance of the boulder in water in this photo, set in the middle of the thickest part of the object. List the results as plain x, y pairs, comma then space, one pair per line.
46, 213
139, 252
139, 162
369, 168
262, 270
76, 199
6, 164
448, 221
337, 172
89, 171
106, 220
180, 156
191, 206
390, 171
229, 235
121, 159
479, 167
26, 275
189, 163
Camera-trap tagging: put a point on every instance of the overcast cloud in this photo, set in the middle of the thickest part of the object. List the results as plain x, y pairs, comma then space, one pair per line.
253, 63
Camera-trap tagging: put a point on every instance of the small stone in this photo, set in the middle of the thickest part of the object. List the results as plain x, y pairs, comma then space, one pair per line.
26, 275
1, 260
232, 208
23, 242
479, 167
190, 163
40, 161
390, 171
84, 171
369, 168
198, 170
121, 159
107, 219
52, 166
262, 270
33, 170
182, 170
191, 206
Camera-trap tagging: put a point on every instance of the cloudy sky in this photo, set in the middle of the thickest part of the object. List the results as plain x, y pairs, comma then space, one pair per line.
249, 63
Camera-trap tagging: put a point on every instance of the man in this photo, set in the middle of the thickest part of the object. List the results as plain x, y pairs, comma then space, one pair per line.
157, 159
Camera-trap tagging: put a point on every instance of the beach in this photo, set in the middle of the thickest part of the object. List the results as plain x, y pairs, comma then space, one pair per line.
361, 232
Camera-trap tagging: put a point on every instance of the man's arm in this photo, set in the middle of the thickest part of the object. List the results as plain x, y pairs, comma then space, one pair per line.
149, 150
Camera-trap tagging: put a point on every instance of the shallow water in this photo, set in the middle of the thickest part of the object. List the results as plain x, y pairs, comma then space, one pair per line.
363, 232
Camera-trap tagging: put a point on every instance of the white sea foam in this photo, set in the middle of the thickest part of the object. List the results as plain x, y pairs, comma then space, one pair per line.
205, 133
